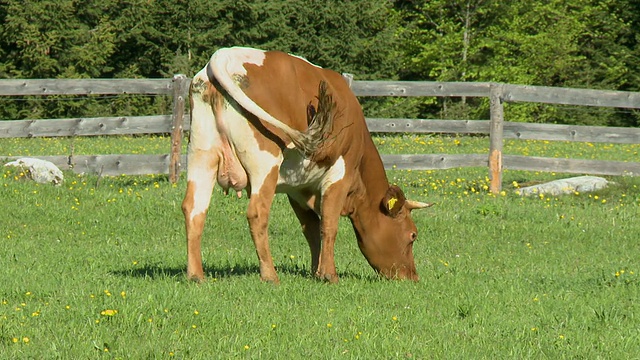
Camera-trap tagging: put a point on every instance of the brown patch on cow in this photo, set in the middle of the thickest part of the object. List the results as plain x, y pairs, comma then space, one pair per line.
188, 202
194, 227
241, 80
264, 132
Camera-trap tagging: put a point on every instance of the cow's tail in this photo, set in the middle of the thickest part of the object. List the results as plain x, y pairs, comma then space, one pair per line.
319, 122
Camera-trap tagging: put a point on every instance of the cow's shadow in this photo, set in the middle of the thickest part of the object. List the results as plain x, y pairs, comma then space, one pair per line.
156, 271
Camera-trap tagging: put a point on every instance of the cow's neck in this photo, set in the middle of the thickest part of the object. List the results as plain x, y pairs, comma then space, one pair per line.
365, 204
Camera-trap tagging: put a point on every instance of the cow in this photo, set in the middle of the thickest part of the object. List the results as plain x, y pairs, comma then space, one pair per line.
269, 122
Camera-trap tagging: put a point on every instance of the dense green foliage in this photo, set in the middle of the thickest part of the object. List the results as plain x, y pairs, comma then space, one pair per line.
574, 43
95, 268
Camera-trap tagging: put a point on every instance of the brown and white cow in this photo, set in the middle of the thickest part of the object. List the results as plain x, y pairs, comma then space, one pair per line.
252, 114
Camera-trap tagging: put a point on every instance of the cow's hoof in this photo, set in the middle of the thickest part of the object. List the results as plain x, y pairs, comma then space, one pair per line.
330, 278
270, 279
195, 278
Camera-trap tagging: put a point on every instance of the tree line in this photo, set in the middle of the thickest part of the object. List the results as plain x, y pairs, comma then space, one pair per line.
570, 43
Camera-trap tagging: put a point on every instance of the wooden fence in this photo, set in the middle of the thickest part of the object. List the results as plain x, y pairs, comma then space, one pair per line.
496, 127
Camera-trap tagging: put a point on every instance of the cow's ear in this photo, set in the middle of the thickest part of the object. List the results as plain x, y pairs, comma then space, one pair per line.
393, 201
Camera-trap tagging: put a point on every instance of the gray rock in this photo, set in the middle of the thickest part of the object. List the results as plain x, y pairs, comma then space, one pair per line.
40, 171
580, 184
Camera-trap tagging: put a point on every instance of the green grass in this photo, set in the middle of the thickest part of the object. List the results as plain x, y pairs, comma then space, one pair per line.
96, 269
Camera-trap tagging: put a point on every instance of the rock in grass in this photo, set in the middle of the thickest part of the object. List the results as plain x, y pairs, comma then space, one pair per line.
580, 184
40, 171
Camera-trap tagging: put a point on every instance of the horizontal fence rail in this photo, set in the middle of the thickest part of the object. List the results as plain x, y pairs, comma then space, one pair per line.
121, 125
512, 130
110, 165
496, 128
85, 87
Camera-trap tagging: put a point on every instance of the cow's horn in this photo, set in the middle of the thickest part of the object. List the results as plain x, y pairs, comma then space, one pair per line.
412, 205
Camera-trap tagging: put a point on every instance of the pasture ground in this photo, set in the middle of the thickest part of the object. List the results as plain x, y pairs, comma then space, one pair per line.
95, 269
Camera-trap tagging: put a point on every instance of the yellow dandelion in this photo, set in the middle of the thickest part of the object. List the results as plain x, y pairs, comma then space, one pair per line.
108, 312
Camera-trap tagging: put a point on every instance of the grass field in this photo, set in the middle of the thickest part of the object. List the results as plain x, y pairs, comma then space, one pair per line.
95, 269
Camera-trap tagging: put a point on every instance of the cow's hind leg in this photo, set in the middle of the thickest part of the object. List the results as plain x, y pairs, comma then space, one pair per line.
200, 182
311, 229
258, 217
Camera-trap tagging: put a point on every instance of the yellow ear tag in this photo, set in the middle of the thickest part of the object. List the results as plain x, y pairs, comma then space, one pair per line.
391, 203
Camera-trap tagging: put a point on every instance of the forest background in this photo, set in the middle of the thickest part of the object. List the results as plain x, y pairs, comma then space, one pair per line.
567, 43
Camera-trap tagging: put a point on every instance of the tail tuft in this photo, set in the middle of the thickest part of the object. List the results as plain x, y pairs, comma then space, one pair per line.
320, 123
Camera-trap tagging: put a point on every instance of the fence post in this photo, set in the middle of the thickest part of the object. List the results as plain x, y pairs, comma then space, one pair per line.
495, 136
179, 83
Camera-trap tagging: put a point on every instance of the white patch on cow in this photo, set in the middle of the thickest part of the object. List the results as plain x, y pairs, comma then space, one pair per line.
203, 133
256, 162
335, 173
297, 171
235, 58
204, 137
203, 178
305, 60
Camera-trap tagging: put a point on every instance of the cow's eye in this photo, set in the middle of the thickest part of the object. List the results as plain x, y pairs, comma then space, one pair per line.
414, 236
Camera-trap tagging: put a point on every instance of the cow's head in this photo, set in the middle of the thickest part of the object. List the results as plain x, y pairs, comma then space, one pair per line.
387, 238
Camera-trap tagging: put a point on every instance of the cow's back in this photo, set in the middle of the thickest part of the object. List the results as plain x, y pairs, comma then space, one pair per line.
284, 85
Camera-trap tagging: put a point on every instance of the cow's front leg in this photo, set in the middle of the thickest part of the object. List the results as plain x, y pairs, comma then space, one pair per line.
262, 194
310, 223
200, 183
332, 202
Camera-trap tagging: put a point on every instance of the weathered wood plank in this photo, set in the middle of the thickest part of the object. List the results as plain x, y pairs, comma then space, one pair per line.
571, 166
428, 126
420, 88
180, 86
554, 132
568, 96
512, 130
25, 87
495, 138
86, 126
433, 161
110, 165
